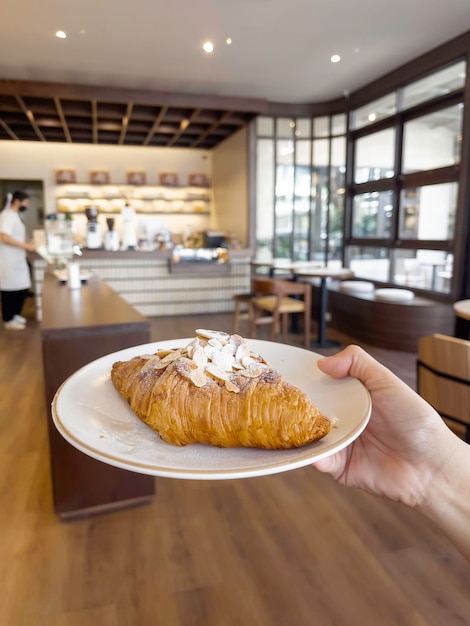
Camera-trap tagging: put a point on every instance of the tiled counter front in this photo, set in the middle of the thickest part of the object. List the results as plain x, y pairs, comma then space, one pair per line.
149, 286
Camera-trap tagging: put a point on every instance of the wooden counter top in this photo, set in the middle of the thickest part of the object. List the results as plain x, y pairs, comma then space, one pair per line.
95, 305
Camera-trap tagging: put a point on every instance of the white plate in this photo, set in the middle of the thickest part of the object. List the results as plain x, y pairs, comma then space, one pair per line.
92, 415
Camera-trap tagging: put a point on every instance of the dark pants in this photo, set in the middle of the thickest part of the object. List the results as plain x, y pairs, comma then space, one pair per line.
12, 303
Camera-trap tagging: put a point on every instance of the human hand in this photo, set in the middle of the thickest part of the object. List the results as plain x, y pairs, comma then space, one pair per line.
30, 246
404, 443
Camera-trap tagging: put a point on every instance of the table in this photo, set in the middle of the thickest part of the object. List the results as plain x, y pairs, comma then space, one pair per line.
285, 265
462, 319
323, 273
434, 264
79, 326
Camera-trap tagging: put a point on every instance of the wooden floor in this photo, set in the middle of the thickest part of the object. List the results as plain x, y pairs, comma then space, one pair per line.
293, 549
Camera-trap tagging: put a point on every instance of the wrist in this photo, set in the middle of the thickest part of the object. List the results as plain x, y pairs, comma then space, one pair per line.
446, 499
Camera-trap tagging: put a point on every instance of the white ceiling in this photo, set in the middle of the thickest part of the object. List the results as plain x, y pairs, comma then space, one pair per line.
280, 51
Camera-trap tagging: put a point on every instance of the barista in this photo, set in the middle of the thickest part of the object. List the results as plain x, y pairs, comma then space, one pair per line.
15, 278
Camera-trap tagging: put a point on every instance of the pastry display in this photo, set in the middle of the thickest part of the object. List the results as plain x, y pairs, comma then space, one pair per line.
216, 391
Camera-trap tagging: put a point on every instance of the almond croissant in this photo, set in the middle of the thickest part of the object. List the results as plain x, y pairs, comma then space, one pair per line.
215, 391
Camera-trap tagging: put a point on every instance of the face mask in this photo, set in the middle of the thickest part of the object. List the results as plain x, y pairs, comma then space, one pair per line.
23, 208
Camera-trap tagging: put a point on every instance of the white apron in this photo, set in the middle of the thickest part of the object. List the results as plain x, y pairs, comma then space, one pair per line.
14, 270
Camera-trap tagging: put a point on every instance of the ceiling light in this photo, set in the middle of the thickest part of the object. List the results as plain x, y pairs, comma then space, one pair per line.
297, 133
372, 117
228, 41
335, 58
292, 124
208, 46
60, 34
184, 124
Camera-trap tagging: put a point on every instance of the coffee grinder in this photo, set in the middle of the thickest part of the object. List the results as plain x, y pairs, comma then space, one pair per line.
111, 236
93, 230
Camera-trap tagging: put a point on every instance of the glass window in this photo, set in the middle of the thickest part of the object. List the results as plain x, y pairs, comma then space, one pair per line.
284, 209
303, 128
424, 269
441, 82
321, 127
369, 263
285, 127
375, 156
375, 111
264, 194
428, 212
303, 179
372, 214
433, 140
338, 124
265, 126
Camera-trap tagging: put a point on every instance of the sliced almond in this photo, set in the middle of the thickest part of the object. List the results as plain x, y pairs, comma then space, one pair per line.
198, 377
252, 372
213, 334
229, 386
217, 373
199, 357
169, 358
163, 353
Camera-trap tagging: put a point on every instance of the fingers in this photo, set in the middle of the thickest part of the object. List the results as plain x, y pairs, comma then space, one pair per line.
354, 361
333, 465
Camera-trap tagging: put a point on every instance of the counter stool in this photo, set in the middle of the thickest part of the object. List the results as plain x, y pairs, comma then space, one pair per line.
243, 307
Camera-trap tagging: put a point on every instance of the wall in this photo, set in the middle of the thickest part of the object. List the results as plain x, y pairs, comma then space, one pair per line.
230, 182
31, 160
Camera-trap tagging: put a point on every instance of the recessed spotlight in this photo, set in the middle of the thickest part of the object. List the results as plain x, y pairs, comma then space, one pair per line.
228, 41
82, 31
297, 133
292, 124
372, 117
60, 34
335, 58
208, 46
356, 50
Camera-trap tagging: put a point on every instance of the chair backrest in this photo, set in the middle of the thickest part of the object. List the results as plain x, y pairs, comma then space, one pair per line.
277, 287
444, 375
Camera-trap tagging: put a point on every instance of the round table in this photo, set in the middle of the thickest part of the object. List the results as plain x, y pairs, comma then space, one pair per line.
462, 319
307, 274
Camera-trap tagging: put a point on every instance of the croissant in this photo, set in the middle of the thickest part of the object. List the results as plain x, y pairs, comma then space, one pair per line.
215, 391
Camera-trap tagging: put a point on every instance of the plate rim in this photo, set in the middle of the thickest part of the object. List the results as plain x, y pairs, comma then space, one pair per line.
205, 474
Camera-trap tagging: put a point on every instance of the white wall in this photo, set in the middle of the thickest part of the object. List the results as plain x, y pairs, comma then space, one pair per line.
230, 182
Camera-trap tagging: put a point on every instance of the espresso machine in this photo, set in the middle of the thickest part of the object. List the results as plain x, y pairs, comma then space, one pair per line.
111, 236
93, 229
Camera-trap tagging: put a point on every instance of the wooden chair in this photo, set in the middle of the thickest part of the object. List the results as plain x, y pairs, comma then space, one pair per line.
273, 296
242, 308
443, 377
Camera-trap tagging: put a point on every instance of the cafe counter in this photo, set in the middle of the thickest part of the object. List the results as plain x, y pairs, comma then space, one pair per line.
156, 286
79, 326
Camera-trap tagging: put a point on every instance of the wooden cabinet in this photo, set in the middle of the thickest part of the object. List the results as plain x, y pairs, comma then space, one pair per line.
79, 326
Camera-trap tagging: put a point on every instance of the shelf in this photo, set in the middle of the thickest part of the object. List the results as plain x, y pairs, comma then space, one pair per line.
172, 213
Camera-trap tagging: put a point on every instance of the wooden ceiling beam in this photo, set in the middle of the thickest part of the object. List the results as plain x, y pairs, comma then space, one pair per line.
94, 120
29, 114
155, 125
211, 129
63, 121
8, 130
183, 127
125, 122
120, 95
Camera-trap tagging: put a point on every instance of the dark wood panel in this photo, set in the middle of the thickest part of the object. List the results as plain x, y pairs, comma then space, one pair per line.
396, 326
80, 326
